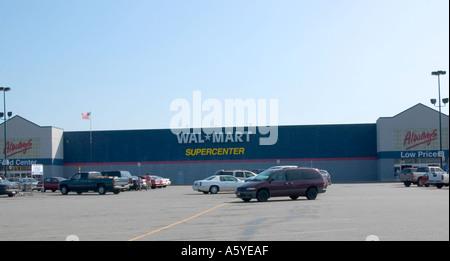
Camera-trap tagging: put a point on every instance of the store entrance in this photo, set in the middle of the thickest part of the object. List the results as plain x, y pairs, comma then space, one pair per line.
14, 173
415, 163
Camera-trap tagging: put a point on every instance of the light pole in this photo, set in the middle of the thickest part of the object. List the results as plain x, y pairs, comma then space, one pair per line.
4, 90
445, 101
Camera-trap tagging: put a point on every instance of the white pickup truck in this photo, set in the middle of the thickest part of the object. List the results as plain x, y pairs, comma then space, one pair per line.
414, 176
438, 179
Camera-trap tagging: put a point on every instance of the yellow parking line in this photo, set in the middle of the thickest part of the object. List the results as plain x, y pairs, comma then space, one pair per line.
179, 222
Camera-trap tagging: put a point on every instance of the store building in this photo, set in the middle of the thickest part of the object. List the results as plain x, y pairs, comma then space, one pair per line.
411, 139
28, 144
350, 152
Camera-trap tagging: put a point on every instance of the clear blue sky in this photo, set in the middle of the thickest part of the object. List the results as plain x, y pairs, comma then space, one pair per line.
326, 61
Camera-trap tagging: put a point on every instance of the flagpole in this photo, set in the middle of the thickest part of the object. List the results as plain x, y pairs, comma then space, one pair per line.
90, 132
87, 116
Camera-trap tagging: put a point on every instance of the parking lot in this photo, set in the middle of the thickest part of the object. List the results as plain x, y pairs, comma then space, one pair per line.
346, 212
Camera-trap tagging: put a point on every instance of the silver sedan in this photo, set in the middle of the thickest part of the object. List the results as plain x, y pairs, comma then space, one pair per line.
217, 183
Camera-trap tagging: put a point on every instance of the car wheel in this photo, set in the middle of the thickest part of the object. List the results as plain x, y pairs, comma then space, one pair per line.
116, 191
407, 184
246, 199
64, 190
101, 190
294, 197
439, 186
11, 195
262, 195
214, 189
311, 193
419, 182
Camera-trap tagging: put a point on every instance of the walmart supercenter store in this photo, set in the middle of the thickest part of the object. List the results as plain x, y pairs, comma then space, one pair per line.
350, 152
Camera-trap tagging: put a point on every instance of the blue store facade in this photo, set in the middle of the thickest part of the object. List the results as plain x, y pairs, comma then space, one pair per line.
342, 149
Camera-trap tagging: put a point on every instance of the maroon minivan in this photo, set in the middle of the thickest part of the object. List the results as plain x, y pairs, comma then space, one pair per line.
283, 183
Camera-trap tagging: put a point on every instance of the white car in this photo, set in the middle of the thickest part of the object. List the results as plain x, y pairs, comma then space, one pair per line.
28, 184
438, 179
217, 183
239, 174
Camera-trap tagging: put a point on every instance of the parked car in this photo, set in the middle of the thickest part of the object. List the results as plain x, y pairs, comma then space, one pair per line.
165, 181
275, 168
28, 184
437, 179
50, 184
88, 181
122, 178
290, 182
14, 185
136, 181
6, 188
217, 183
326, 176
157, 182
425, 179
257, 171
144, 179
283, 167
239, 174
407, 176
411, 176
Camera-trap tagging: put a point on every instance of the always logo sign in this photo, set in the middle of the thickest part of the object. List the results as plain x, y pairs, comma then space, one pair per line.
415, 139
21, 148
17, 148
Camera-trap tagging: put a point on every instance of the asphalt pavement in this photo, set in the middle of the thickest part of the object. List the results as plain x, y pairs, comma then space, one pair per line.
346, 212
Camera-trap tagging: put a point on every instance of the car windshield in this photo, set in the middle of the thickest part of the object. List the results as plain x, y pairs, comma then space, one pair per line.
263, 175
125, 174
4, 181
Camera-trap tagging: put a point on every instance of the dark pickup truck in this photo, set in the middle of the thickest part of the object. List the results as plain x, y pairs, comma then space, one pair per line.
88, 181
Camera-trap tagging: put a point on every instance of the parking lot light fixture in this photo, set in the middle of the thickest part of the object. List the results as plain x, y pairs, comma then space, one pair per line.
4, 90
433, 101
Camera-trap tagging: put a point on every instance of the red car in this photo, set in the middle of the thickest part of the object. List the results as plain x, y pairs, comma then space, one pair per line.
425, 179
51, 183
157, 182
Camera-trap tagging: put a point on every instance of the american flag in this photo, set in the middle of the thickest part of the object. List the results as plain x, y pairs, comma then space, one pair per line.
86, 115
